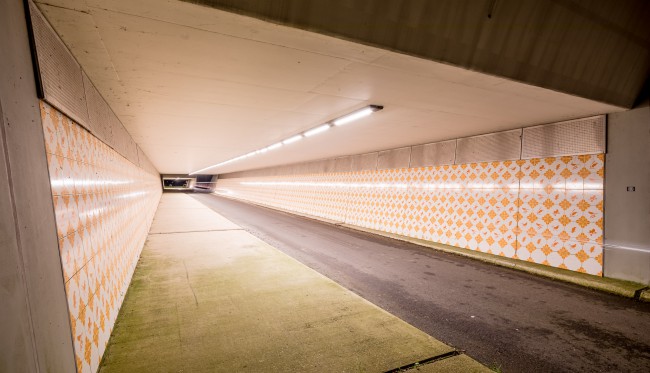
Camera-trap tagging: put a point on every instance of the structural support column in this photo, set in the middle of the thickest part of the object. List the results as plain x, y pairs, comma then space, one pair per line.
35, 325
627, 196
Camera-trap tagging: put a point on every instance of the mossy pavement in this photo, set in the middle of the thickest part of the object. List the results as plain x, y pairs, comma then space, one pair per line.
207, 296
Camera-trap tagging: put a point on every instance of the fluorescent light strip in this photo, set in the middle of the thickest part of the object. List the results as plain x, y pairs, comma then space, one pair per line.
352, 117
361, 113
274, 146
291, 140
317, 130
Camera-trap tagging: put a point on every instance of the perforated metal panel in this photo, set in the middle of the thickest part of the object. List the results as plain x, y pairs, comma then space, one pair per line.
434, 154
343, 164
60, 73
501, 146
101, 117
129, 150
364, 162
581, 136
394, 158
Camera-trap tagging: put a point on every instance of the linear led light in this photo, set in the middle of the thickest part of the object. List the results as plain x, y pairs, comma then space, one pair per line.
357, 115
317, 130
292, 139
274, 146
363, 112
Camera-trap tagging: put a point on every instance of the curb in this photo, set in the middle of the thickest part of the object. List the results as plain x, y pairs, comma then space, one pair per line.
621, 288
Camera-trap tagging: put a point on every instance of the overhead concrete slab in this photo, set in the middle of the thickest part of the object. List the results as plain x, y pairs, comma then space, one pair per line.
196, 86
226, 301
570, 46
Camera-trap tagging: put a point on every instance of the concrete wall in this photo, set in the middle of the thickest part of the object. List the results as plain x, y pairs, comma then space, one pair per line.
627, 213
34, 321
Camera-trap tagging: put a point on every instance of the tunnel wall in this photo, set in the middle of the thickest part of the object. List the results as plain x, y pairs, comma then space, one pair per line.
104, 191
543, 210
104, 205
34, 322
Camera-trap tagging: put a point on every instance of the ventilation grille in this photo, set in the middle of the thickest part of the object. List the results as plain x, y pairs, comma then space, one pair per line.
436, 154
501, 146
582, 136
60, 73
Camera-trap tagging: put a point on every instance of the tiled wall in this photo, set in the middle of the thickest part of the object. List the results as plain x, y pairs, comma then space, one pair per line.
548, 211
104, 205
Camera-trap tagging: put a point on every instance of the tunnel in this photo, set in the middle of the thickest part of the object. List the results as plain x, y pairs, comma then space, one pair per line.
324, 186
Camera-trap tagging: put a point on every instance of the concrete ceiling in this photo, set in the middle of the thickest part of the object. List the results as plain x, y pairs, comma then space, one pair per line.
598, 49
196, 86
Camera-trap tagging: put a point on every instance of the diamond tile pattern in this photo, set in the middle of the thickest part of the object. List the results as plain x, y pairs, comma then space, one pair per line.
104, 206
547, 211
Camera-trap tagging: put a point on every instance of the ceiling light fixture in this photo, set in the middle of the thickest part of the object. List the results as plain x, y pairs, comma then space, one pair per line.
274, 146
358, 114
292, 139
317, 130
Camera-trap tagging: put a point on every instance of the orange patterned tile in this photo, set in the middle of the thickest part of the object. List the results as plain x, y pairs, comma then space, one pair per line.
97, 196
541, 210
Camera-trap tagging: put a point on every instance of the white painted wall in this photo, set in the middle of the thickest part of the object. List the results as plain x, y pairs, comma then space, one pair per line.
627, 214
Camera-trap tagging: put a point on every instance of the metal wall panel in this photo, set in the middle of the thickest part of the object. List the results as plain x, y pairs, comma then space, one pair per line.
102, 120
435, 154
394, 158
364, 162
329, 165
581, 136
123, 143
500, 146
60, 73
343, 164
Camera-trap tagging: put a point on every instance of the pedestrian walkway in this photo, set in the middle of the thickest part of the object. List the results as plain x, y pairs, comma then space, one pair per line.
207, 296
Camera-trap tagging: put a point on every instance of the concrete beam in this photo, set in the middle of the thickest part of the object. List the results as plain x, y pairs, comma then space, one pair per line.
595, 50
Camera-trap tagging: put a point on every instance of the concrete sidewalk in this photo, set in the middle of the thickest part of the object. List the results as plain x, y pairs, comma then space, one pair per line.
208, 296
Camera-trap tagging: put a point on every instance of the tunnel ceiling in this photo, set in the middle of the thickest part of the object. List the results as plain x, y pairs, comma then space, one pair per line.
196, 85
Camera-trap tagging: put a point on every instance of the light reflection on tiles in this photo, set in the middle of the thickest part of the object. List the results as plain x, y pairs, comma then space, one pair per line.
104, 205
547, 211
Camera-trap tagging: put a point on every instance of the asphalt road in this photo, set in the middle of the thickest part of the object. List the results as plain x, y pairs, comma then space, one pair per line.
508, 320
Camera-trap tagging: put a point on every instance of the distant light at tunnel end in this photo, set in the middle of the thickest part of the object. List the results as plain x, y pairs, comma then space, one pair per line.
355, 115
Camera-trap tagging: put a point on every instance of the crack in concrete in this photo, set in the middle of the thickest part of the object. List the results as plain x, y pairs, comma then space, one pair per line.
187, 276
